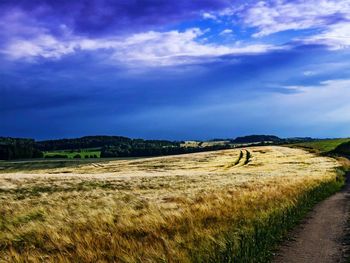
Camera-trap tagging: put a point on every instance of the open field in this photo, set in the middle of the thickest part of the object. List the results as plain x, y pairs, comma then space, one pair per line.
212, 206
32, 165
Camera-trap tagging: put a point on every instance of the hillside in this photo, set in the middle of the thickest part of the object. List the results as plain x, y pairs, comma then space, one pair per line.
343, 148
326, 146
257, 138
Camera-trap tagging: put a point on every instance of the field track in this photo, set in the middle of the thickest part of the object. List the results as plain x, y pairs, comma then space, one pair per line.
320, 238
242, 159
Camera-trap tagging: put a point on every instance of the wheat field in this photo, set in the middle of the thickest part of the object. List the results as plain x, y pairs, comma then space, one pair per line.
222, 206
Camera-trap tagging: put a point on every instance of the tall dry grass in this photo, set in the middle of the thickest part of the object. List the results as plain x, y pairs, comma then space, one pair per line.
204, 207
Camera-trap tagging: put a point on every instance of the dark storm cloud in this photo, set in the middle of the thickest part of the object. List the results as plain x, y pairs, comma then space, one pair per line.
93, 17
153, 69
80, 82
71, 98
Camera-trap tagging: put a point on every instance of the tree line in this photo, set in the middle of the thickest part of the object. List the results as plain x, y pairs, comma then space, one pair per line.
118, 146
111, 146
81, 143
17, 148
150, 149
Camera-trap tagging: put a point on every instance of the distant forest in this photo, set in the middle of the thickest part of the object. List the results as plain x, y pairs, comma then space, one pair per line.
110, 146
15, 148
118, 146
154, 149
82, 143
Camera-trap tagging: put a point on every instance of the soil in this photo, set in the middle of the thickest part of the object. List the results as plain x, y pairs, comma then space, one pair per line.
321, 237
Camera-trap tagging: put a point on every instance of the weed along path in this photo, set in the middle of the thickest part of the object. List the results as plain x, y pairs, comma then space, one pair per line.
320, 237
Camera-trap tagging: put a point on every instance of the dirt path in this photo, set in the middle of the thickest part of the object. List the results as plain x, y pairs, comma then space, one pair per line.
320, 237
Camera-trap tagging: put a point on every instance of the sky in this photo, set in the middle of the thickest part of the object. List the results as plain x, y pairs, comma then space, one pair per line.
178, 70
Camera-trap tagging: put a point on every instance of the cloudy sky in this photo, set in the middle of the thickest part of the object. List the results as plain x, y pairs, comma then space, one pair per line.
184, 69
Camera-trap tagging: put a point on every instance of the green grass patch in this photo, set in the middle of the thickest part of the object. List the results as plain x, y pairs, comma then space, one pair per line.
74, 154
321, 146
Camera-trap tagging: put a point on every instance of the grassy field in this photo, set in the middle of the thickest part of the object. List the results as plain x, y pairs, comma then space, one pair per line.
322, 146
86, 153
223, 206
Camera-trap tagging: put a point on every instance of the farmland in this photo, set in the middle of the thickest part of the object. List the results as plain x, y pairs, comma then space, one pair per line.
211, 206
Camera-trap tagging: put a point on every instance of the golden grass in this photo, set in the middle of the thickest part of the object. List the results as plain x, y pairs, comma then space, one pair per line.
190, 208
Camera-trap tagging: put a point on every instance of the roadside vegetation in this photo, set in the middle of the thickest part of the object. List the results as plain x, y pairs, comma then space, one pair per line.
222, 206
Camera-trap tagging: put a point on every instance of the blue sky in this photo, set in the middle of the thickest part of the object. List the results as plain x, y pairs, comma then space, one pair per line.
174, 70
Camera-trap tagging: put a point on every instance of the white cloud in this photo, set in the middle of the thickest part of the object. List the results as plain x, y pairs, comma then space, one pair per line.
226, 32
280, 15
336, 36
45, 46
209, 16
309, 73
27, 39
174, 47
149, 48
